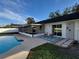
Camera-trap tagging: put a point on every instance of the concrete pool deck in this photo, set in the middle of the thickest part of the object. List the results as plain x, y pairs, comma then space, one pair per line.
22, 51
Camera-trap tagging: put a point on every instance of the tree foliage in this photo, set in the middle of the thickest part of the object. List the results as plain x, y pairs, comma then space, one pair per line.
51, 15
68, 10
30, 20
75, 8
57, 13
54, 14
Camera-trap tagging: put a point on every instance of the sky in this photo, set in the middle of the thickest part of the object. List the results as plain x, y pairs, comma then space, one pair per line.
16, 11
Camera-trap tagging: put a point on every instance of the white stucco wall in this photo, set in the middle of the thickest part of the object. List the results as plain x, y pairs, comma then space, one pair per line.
77, 30
48, 28
64, 26
7, 30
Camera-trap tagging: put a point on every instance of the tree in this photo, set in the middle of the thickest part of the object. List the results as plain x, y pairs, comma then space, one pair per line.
30, 20
67, 11
55, 14
75, 8
51, 15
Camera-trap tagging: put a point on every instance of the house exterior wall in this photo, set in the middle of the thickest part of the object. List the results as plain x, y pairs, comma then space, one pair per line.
48, 28
70, 29
64, 26
76, 30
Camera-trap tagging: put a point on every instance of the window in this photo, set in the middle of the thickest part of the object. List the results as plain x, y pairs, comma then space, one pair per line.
57, 30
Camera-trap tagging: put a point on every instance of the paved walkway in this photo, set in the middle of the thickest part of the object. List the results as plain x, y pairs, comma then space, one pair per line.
22, 51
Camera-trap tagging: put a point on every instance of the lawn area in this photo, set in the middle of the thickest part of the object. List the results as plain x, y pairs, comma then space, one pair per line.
49, 51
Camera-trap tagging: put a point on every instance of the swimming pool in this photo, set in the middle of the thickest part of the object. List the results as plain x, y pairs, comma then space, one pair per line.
7, 43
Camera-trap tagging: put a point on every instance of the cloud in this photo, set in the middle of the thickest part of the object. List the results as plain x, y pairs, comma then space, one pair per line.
15, 5
8, 14
11, 15
15, 10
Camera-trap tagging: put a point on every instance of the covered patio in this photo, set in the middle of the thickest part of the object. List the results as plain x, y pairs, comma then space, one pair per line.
32, 30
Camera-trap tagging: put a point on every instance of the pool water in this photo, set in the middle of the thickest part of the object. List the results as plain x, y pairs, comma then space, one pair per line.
7, 43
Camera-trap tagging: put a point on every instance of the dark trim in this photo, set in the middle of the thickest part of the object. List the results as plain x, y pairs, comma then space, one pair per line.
10, 33
9, 27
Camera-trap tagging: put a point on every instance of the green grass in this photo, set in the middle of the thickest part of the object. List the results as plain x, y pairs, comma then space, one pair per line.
49, 51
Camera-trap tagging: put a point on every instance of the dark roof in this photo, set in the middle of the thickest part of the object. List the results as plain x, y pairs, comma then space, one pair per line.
61, 18
24, 26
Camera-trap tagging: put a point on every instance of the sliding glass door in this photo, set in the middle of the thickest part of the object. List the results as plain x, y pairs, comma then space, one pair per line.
57, 29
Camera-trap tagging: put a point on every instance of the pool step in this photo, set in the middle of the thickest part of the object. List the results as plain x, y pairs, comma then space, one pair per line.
66, 44
59, 43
